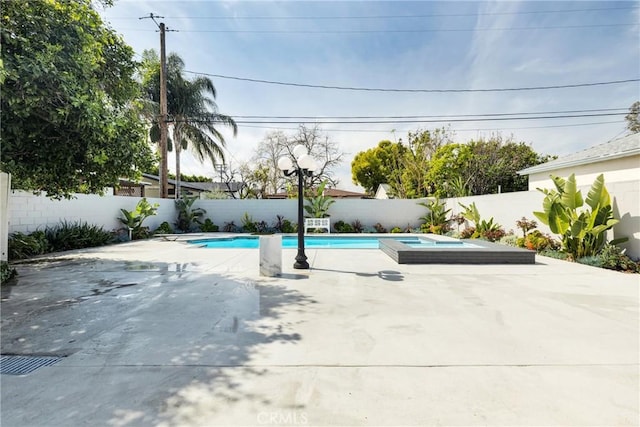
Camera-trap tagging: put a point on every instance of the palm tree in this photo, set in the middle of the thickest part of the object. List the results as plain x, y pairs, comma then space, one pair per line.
192, 111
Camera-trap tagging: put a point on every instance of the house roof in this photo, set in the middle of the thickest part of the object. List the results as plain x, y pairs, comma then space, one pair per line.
618, 148
328, 192
343, 194
201, 186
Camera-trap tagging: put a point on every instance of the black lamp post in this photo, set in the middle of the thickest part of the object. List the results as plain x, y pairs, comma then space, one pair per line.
304, 166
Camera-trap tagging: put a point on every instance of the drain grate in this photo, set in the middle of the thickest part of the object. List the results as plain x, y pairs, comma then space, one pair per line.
21, 365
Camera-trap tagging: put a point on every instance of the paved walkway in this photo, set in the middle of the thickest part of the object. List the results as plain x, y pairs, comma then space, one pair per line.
160, 334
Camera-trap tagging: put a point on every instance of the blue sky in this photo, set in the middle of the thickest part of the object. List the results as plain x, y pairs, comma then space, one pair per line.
403, 45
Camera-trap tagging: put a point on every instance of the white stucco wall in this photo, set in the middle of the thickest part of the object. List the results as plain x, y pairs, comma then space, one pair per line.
27, 213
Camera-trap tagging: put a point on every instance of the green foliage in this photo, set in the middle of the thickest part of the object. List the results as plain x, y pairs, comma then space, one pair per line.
582, 232
379, 165
481, 228
435, 221
592, 260
66, 236
509, 240
283, 225
6, 272
23, 246
318, 205
230, 227
164, 228
553, 253
188, 216
379, 228
633, 118
133, 219
248, 224
538, 241
613, 258
208, 226
396, 230
480, 167
342, 227
471, 213
70, 119
191, 104
62, 237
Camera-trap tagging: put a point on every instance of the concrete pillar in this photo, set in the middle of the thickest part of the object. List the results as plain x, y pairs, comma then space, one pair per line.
5, 191
271, 255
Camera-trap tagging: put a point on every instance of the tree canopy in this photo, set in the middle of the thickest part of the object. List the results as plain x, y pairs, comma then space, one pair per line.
433, 165
70, 116
191, 107
633, 118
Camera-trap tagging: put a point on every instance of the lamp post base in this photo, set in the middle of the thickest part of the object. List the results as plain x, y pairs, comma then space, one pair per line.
301, 262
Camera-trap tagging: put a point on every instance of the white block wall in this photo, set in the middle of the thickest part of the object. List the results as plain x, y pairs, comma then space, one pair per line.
389, 213
28, 213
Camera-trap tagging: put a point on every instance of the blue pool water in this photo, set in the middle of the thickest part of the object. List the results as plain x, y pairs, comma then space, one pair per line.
336, 242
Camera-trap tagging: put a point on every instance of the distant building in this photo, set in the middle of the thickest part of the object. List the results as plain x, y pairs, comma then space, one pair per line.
150, 187
383, 192
328, 192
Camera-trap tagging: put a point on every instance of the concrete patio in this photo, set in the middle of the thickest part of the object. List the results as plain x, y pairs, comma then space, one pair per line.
156, 333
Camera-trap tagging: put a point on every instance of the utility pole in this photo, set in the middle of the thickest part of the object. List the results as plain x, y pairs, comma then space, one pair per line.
162, 118
164, 166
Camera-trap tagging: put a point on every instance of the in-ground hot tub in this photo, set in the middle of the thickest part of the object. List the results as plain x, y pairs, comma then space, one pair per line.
447, 251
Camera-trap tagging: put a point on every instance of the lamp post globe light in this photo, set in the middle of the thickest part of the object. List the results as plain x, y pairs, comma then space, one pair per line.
304, 165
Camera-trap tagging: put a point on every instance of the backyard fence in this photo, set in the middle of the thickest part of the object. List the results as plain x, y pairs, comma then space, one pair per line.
26, 212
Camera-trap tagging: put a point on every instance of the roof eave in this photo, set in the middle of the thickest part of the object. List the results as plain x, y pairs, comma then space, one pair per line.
545, 167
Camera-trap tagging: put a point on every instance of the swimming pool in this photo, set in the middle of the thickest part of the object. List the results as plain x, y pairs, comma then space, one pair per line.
327, 242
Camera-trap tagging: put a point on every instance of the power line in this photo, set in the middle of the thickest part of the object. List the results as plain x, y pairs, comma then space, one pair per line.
454, 130
416, 16
368, 89
403, 31
625, 110
342, 122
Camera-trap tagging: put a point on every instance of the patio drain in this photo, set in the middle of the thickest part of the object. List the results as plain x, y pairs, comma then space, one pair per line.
21, 365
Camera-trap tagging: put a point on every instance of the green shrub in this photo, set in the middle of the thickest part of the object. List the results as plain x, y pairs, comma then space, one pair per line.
583, 231
538, 241
62, 237
78, 235
379, 228
468, 233
208, 226
188, 216
317, 206
613, 258
23, 246
283, 225
554, 253
6, 272
435, 221
164, 228
396, 230
230, 227
133, 220
248, 225
509, 240
592, 260
342, 227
